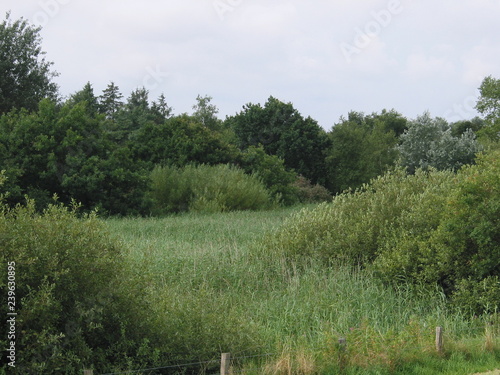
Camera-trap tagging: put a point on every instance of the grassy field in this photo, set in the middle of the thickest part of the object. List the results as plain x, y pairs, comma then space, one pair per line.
214, 290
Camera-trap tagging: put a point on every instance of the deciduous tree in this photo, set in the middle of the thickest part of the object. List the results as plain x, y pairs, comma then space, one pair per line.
25, 75
283, 132
428, 142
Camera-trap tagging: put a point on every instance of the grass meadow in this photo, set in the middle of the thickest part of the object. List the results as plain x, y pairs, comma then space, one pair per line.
213, 288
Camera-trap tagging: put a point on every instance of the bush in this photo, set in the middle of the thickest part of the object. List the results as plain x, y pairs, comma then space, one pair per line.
478, 296
207, 189
76, 304
351, 228
460, 241
309, 193
432, 228
273, 173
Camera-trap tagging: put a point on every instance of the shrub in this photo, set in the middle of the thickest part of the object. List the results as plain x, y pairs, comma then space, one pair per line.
454, 240
273, 173
478, 296
171, 190
207, 189
309, 193
351, 228
64, 150
75, 305
432, 228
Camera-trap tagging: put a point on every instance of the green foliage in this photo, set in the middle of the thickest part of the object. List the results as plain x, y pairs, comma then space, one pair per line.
25, 76
134, 114
206, 267
429, 143
489, 100
110, 101
283, 132
205, 113
363, 147
351, 228
273, 173
309, 193
207, 189
87, 97
435, 228
74, 298
64, 151
180, 140
476, 296
452, 239
170, 189
460, 127
488, 105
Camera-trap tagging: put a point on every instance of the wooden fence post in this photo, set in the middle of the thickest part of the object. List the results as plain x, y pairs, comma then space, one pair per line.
342, 354
88, 372
342, 344
225, 362
439, 339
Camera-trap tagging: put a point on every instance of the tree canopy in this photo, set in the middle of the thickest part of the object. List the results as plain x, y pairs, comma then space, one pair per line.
25, 74
284, 132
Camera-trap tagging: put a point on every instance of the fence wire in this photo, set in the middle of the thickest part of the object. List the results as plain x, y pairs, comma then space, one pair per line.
214, 361
478, 330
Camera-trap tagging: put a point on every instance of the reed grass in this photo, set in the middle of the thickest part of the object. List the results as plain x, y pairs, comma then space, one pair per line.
223, 291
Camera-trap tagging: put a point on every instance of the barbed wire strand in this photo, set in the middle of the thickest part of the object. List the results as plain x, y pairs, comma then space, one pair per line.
162, 368
449, 332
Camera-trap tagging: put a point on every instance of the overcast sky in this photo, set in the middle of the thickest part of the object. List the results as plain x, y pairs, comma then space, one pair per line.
327, 57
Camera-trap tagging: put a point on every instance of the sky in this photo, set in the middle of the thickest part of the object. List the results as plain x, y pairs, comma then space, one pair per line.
327, 57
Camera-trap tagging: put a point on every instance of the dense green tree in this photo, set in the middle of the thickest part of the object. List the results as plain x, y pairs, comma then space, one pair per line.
460, 127
25, 75
388, 121
428, 142
488, 105
134, 114
110, 101
489, 101
283, 132
178, 141
363, 147
125, 119
87, 96
64, 151
161, 110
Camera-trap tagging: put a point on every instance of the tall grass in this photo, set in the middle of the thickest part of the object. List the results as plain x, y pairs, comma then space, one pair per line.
216, 289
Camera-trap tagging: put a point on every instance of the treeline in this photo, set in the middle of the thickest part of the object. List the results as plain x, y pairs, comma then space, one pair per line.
107, 152
101, 151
